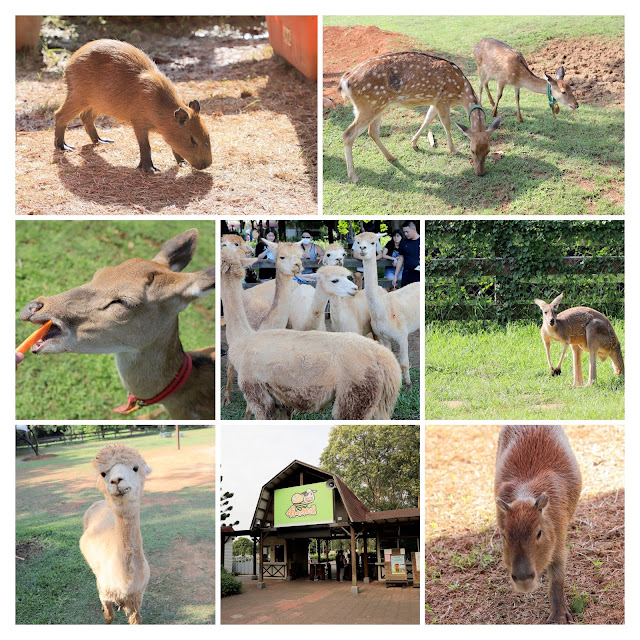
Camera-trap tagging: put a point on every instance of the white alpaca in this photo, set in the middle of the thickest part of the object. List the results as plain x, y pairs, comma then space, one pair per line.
348, 314
394, 315
111, 543
305, 371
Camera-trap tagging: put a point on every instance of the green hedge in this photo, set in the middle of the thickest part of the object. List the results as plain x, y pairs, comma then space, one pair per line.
229, 586
492, 270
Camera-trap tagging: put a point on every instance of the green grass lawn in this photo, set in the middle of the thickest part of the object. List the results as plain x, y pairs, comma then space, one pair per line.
570, 164
54, 256
54, 585
501, 373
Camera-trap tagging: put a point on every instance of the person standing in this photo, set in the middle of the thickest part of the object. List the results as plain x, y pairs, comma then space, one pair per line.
409, 259
263, 252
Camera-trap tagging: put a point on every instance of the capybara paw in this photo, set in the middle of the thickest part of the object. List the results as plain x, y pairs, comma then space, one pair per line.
560, 616
64, 147
104, 141
148, 168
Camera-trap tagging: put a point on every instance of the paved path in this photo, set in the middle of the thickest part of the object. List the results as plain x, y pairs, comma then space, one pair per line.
321, 602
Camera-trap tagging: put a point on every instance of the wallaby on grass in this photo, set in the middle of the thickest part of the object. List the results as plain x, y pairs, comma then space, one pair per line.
584, 329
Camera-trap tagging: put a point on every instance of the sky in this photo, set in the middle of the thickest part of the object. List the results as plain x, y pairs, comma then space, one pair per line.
251, 456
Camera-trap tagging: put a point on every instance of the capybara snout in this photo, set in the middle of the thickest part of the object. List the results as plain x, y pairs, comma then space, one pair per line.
113, 78
537, 488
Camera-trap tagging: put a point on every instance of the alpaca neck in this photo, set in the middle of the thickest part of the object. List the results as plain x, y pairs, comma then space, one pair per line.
337, 313
238, 328
371, 285
128, 536
318, 307
146, 372
279, 313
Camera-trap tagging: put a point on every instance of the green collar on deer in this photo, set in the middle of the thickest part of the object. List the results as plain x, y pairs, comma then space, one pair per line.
475, 106
552, 100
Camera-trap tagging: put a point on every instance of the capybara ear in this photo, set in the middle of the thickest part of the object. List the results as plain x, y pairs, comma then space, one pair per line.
194, 105
502, 505
542, 501
181, 116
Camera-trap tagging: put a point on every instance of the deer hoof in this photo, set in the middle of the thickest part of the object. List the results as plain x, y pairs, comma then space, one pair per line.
556, 372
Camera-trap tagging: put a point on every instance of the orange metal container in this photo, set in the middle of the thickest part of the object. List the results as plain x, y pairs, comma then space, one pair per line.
295, 38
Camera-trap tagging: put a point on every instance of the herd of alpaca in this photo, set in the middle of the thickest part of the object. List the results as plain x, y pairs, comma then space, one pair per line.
111, 543
286, 360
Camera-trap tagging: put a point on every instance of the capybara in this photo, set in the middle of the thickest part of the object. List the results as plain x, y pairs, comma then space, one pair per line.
537, 488
113, 78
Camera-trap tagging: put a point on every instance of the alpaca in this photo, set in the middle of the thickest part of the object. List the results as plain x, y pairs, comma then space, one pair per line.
269, 309
305, 370
349, 314
111, 543
394, 315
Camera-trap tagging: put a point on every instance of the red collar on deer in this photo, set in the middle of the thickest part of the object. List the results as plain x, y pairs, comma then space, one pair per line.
133, 403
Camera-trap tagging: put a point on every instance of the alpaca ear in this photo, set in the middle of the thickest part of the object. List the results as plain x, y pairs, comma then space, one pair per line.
312, 277
147, 469
381, 235
248, 262
271, 245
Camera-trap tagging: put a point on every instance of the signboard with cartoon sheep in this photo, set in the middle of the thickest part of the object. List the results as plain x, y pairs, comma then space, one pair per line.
306, 504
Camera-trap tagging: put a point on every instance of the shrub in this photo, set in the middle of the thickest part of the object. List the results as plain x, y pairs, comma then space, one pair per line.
229, 586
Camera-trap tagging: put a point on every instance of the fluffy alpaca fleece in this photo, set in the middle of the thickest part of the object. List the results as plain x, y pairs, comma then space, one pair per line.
112, 543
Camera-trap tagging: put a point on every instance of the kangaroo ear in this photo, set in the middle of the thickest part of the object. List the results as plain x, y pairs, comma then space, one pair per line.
462, 128
540, 303
557, 301
177, 253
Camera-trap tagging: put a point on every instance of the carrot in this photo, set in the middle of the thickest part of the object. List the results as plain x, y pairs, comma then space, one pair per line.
34, 337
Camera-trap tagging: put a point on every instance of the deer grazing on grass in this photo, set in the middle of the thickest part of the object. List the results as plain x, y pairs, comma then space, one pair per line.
498, 60
413, 79
280, 370
132, 310
584, 329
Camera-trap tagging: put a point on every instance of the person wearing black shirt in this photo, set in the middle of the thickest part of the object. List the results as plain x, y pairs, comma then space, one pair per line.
409, 257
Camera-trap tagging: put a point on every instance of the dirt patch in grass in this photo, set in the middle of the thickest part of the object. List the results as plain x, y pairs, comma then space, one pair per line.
594, 68
29, 549
261, 115
345, 47
42, 457
466, 582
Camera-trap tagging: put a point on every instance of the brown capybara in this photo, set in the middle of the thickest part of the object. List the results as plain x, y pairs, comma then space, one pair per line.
113, 78
537, 488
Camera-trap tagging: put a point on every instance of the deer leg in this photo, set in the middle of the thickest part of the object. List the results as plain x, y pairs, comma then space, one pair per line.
577, 365
349, 137
431, 114
445, 119
495, 107
486, 84
559, 610
480, 87
374, 132
88, 118
518, 104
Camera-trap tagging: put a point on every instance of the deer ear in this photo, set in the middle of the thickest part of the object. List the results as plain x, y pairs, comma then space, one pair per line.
494, 125
202, 283
550, 80
560, 73
177, 253
462, 128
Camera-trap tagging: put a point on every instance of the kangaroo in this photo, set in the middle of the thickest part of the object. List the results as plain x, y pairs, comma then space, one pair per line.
537, 488
584, 329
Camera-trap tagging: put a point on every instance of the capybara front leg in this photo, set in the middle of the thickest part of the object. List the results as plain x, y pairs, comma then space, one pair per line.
146, 164
559, 611
179, 159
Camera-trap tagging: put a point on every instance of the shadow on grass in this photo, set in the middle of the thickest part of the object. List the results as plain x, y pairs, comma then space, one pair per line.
466, 582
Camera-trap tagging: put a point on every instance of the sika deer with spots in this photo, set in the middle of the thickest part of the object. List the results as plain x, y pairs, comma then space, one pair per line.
585, 329
413, 79
498, 60
537, 488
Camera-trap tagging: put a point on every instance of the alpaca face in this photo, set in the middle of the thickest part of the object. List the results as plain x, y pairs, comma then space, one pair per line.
334, 256
335, 281
366, 244
123, 483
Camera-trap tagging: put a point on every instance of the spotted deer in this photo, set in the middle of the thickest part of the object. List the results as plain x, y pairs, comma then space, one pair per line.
498, 60
585, 329
413, 79
131, 310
